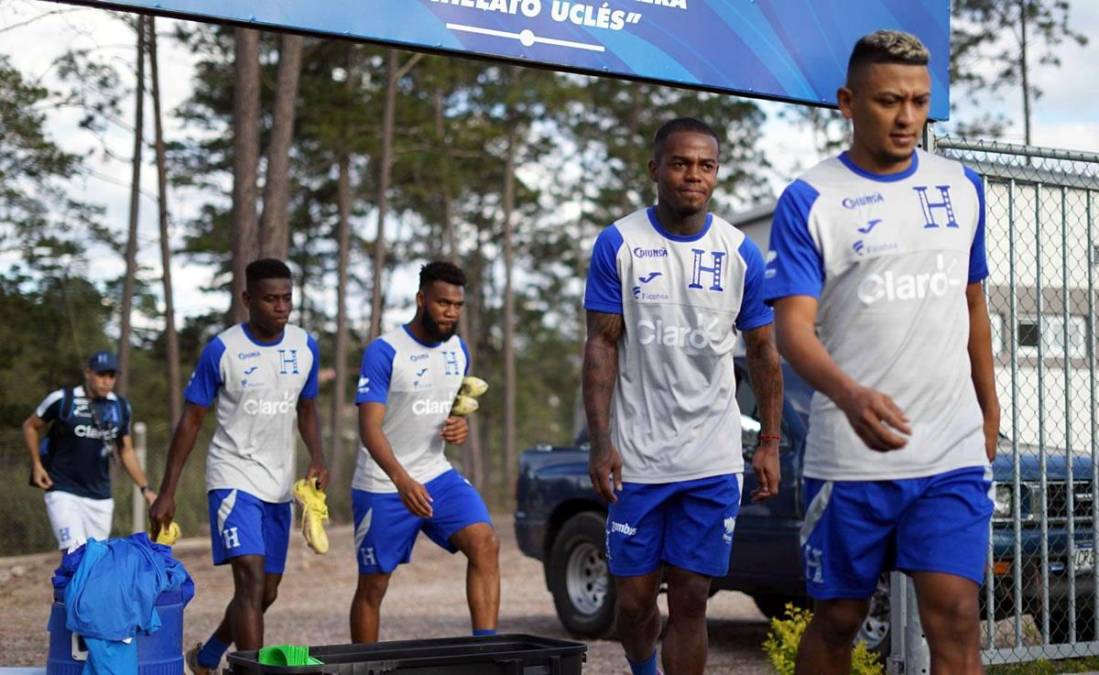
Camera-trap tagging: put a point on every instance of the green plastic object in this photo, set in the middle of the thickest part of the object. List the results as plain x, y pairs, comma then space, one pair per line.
287, 655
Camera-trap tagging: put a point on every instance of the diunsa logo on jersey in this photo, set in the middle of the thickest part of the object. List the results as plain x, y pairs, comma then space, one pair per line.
893, 287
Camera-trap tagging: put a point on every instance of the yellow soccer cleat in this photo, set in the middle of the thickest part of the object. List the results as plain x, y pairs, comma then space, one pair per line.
169, 535
314, 514
472, 386
464, 405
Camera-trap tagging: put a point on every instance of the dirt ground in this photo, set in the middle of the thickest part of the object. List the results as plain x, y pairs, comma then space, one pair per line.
425, 599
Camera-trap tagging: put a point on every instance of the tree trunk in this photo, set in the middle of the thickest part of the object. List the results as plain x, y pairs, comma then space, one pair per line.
246, 111
171, 338
511, 453
343, 237
274, 224
131, 240
376, 295
472, 458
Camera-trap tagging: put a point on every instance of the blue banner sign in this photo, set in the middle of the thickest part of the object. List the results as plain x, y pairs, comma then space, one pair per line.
794, 50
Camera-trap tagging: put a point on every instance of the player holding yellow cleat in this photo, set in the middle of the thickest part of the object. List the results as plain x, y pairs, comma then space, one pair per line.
314, 514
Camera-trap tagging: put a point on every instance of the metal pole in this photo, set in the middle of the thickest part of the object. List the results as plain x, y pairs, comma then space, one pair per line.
1040, 322
137, 500
897, 610
1070, 482
1016, 488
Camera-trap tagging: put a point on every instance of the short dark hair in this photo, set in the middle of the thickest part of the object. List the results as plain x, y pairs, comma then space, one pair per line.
887, 46
680, 125
441, 270
265, 268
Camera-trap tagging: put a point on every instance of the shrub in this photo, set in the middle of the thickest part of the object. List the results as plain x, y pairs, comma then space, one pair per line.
781, 645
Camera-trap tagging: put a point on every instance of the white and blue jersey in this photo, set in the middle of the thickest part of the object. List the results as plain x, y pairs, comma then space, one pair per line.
417, 383
257, 386
889, 258
83, 434
683, 299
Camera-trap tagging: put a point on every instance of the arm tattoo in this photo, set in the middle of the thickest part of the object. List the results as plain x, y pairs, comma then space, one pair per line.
600, 371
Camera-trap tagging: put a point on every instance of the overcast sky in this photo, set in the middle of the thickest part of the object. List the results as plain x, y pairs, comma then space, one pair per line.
33, 33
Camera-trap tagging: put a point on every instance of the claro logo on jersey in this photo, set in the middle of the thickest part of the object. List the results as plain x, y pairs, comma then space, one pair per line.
426, 406
288, 404
893, 287
699, 336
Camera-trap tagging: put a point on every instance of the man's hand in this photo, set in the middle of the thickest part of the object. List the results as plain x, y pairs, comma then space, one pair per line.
765, 465
162, 512
149, 496
605, 470
992, 434
415, 496
875, 418
40, 477
319, 472
455, 430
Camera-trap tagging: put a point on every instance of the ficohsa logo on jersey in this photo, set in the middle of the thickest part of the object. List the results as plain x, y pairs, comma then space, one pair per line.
699, 336
892, 287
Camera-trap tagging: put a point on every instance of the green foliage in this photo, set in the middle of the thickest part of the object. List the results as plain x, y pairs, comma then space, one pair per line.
781, 645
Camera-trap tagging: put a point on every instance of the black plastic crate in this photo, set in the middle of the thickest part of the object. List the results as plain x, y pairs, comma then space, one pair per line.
509, 654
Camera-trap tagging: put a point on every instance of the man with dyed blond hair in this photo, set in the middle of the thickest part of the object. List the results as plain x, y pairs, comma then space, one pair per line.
875, 270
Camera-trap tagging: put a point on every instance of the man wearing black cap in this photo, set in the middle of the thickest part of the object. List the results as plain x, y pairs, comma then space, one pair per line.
71, 461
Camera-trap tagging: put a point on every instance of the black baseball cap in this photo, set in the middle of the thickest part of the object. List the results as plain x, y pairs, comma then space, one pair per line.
103, 362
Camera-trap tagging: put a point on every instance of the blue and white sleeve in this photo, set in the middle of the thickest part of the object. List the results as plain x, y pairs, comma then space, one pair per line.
309, 391
206, 380
795, 265
978, 260
604, 289
375, 374
754, 312
50, 407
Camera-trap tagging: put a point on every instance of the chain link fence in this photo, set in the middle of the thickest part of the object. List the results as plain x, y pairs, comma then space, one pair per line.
1041, 596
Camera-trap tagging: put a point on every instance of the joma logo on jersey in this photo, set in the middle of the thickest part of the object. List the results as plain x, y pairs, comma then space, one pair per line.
890, 287
699, 336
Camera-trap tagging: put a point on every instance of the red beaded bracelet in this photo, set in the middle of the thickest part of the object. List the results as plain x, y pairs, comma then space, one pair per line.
763, 438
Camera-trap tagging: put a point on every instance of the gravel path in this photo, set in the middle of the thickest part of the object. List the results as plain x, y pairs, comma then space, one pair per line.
425, 599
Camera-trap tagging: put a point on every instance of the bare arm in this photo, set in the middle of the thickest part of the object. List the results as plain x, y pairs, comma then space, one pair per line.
310, 430
128, 458
981, 363
183, 441
871, 413
32, 437
599, 374
414, 495
766, 374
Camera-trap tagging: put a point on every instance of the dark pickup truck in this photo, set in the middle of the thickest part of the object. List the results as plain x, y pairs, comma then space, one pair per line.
560, 520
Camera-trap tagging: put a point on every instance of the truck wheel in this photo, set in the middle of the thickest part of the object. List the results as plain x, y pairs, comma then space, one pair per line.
874, 630
583, 591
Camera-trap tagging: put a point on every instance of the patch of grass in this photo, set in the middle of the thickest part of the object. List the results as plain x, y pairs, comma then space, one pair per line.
1044, 667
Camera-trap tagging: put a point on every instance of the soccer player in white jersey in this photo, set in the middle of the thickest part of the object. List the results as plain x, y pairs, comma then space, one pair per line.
875, 271
670, 289
403, 483
263, 376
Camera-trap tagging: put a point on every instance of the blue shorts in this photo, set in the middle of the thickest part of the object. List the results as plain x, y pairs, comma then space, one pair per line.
243, 524
688, 525
385, 530
855, 530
